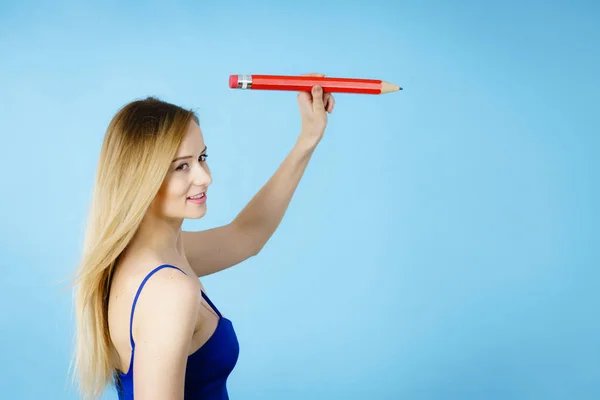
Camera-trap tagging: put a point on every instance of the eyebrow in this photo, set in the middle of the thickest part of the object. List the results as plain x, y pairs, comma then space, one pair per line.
184, 157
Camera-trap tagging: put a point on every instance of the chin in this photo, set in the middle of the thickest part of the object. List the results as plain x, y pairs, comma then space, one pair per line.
198, 214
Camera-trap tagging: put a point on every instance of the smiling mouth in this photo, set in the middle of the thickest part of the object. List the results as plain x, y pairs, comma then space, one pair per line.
197, 196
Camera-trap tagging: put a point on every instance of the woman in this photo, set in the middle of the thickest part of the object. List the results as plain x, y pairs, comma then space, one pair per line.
144, 320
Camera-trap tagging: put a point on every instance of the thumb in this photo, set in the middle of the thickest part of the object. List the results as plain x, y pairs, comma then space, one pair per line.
317, 94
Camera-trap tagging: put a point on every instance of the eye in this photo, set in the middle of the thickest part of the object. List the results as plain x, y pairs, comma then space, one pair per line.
202, 158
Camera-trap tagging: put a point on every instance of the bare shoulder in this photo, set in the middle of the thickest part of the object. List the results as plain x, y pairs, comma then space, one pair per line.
163, 326
168, 296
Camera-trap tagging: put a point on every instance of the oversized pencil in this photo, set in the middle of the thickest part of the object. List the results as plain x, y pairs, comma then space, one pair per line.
305, 83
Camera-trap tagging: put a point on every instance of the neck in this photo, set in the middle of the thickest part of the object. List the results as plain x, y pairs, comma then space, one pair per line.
157, 235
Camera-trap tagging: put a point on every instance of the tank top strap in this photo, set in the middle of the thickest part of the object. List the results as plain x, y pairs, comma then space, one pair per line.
138, 294
211, 304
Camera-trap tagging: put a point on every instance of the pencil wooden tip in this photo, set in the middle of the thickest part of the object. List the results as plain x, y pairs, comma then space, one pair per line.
387, 87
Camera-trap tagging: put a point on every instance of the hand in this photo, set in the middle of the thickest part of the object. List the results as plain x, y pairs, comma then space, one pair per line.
314, 107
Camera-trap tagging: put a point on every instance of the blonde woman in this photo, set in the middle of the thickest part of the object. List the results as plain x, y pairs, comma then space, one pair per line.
145, 323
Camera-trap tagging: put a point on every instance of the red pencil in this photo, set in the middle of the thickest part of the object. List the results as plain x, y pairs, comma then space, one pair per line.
305, 83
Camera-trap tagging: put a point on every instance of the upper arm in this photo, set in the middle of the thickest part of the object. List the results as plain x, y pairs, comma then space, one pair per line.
219, 248
164, 322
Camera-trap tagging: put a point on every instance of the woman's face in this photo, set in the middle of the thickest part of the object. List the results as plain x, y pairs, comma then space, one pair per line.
188, 176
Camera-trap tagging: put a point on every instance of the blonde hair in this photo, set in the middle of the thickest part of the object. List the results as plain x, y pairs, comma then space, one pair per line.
140, 143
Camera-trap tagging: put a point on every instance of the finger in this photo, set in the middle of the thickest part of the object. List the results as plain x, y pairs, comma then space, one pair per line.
330, 104
317, 98
316, 74
326, 100
313, 74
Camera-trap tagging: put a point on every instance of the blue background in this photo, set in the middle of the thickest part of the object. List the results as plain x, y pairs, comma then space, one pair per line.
443, 243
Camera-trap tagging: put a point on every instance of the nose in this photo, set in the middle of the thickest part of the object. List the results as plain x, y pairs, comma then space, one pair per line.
202, 175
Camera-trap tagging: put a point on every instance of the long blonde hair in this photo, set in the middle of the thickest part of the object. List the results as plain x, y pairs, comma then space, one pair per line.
140, 143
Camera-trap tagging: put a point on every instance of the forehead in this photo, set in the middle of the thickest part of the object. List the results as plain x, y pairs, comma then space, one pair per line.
193, 142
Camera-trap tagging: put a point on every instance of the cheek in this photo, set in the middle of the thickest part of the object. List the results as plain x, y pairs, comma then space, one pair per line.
175, 188
179, 191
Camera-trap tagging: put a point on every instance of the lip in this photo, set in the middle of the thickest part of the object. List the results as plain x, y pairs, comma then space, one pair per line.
201, 200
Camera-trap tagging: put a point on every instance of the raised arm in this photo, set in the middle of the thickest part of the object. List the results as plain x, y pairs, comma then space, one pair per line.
163, 325
220, 248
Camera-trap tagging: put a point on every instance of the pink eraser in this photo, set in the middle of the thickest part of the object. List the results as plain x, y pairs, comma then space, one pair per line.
233, 81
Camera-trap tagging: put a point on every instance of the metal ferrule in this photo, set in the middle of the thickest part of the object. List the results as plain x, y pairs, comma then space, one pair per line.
244, 82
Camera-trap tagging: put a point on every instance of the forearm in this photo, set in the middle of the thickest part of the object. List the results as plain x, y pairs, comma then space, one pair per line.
263, 214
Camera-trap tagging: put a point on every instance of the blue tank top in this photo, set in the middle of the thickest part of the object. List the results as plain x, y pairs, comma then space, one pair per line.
207, 368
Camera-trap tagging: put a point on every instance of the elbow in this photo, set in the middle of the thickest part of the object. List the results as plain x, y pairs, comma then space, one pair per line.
256, 249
